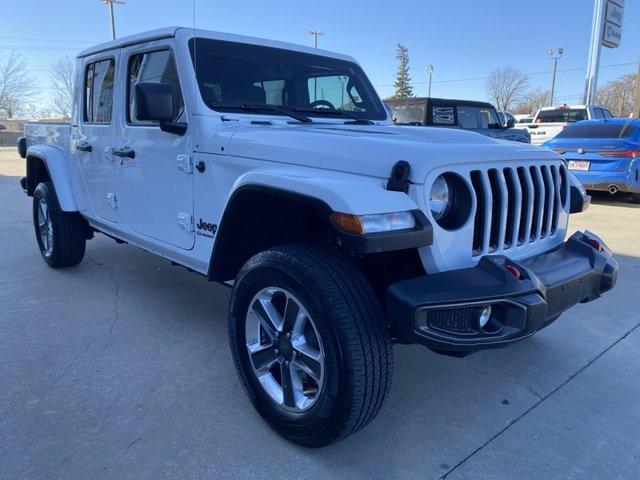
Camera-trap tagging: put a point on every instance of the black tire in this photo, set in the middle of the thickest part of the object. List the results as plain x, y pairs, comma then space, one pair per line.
68, 230
350, 323
635, 198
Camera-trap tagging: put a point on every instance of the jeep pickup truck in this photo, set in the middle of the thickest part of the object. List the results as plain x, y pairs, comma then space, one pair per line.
275, 169
550, 121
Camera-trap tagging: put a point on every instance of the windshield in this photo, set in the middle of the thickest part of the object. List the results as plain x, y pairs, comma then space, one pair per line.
478, 117
232, 75
562, 115
591, 130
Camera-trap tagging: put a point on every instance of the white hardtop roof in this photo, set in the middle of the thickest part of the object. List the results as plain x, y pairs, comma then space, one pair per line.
188, 32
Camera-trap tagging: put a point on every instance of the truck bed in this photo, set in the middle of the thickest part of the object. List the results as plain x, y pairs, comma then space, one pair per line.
541, 132
56, 134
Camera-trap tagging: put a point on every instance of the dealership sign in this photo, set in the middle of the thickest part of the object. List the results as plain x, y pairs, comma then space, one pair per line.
612, 31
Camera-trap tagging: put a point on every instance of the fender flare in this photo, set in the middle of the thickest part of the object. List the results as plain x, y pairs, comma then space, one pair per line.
326, 192
55, 163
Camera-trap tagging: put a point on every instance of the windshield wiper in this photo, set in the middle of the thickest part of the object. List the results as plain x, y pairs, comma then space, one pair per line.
263, 108
333, 111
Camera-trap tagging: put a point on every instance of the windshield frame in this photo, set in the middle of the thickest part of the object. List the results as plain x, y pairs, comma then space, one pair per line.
355, 73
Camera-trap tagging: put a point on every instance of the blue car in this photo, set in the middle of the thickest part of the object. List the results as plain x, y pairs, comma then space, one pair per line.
604, 154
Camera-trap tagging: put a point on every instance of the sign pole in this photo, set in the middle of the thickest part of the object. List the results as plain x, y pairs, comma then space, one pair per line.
591, 83
636, 98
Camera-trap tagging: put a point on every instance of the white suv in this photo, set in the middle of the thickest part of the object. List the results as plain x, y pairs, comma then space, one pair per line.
275, 169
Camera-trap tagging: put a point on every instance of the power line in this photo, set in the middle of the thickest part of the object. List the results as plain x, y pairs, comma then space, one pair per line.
470, 79
48, 40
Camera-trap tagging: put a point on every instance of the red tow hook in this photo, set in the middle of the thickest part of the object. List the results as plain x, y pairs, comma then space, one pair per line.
513, 270
594, 243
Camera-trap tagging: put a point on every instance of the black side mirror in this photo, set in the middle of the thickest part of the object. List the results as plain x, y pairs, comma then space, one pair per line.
154, 102
511, 122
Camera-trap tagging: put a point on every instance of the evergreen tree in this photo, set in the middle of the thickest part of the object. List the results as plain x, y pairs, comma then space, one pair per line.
402, 84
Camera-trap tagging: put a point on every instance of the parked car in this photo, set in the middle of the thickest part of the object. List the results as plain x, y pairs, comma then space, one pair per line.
603, 154
480, 117
523, 118
274, 168
550, 121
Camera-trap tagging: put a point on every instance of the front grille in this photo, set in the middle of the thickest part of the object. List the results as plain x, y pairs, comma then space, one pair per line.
458, 320
517, 205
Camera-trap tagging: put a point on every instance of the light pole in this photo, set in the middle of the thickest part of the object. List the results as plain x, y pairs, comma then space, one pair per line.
316, 34
113, 23
430, 72
555, 57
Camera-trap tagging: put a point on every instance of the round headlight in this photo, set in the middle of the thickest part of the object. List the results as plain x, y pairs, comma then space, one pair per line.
440, 199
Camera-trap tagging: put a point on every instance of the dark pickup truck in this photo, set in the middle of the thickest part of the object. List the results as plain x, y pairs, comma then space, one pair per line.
479, 117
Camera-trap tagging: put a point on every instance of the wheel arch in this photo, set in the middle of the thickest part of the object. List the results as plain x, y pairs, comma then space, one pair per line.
281, 217
48, 164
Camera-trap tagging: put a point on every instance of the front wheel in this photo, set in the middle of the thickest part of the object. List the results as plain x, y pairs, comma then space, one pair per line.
61, 236
635, 198
310, 343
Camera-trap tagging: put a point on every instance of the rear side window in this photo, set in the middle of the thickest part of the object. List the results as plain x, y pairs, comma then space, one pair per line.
442, 115
599, 131
98, 87
153, 67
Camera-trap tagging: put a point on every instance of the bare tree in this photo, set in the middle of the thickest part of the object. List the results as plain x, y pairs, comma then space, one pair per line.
16, 85
62, 81
532, 101
617, 95
505, 86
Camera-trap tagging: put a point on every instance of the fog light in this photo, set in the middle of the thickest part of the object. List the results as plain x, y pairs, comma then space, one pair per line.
484, 317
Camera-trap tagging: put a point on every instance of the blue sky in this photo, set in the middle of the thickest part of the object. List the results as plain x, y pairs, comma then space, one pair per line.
464, 39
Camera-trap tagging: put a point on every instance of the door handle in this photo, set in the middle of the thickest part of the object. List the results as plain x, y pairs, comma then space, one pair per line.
84, 147
125, 152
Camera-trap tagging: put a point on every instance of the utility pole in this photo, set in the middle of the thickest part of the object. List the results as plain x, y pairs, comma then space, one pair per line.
316, 34
430, 72
555, 58
113, 22
636, 98
597, 27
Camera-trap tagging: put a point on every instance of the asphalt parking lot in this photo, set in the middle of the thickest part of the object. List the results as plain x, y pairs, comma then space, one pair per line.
120, 368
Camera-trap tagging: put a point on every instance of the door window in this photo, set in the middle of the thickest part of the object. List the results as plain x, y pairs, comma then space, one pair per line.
153, 67
98, 87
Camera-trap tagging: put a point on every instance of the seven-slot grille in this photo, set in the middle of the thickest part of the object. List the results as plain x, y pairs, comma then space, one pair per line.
517, 205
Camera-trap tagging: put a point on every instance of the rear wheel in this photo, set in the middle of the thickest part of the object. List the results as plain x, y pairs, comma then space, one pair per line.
310, 343
61, 236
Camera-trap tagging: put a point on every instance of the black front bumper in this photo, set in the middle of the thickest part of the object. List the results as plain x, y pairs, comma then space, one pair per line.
442, 311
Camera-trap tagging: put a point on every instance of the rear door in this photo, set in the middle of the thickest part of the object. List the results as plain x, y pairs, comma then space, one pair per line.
93, 136
155, 182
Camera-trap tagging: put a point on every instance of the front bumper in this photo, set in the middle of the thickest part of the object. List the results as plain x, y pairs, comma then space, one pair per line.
441, 311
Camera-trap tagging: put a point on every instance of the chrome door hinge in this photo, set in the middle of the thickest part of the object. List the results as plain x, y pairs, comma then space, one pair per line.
186, 222
185, 163
112, 200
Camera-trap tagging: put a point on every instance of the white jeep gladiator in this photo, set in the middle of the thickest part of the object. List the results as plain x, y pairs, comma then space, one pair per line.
550, 121
276, 170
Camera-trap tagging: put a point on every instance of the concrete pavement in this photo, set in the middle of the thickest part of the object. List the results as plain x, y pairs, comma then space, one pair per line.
120, 368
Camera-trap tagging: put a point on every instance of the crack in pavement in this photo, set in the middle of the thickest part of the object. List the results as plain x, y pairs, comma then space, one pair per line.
528, 388
538, 403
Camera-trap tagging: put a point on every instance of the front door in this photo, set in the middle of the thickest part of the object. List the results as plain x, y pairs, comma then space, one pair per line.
93, 138
155, 181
